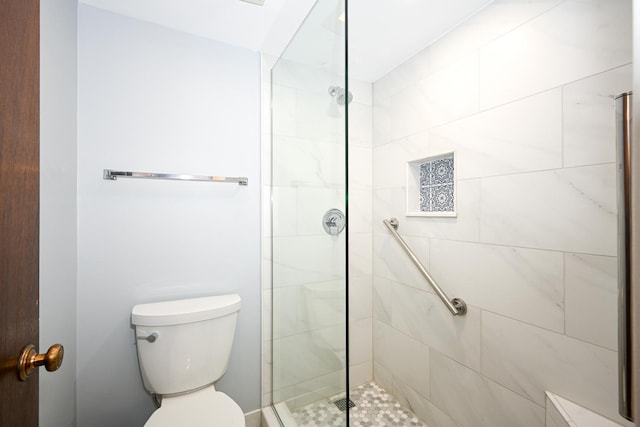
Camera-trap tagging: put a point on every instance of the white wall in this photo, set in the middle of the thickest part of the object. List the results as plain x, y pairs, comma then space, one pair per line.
154, 99
58, 210
523, 92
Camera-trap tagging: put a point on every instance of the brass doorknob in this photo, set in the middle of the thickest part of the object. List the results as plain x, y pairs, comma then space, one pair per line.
30, 360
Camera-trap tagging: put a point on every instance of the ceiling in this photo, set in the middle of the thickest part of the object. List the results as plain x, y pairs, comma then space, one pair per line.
382, 33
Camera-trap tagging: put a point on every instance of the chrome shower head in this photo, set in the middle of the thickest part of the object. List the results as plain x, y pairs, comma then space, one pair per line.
338, 93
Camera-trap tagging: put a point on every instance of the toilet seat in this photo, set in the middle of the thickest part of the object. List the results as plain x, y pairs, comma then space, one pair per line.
203, 408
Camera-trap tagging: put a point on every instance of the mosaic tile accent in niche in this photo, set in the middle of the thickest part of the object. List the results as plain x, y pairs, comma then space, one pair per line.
374, 407
437, 181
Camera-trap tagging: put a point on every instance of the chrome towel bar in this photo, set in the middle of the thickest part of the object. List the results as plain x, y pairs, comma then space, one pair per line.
456, 306
113, 175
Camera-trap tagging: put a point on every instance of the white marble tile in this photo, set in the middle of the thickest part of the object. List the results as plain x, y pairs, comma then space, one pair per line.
570, 210
360, 373
517, 137
360, 341
300, 76
362, 91
360, 254
422, 316
302, 357
388, 203
382, 299
381, 121
381, 375
307, 357
319, 305
576, 39
409, 309
318, 116
318, 388
443, 96
283, 116
312, 204
589, 132
421, 407
391, 262
452, 91
473, 400
360, 125
530, 360
390, 160
308, 259
360, 168
332, 338
591, 300
405, 74
524, 284
498, 18
284, 311
360, 210
360, 297
304, 162
283, 208
405, 358
283, 394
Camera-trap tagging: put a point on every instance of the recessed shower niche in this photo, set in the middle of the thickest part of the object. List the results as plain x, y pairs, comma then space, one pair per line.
431, 186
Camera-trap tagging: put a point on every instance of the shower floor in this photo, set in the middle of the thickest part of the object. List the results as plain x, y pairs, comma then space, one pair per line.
374, 407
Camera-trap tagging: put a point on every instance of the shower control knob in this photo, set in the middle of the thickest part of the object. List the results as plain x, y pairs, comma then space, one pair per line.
334, 222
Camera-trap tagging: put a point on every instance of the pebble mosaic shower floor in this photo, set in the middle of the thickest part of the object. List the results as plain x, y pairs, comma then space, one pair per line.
374, 408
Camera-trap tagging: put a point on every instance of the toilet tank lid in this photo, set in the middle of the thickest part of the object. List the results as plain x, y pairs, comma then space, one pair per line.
184, 311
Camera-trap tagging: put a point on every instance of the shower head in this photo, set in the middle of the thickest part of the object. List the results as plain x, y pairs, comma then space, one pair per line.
338, 93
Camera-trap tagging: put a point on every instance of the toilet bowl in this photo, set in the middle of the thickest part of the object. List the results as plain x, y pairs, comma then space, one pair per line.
183, 348
203, 408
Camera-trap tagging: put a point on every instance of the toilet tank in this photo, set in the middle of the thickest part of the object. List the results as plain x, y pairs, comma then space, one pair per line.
184, 344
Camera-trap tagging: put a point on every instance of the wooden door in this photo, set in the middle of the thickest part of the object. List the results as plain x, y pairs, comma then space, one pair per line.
19, 205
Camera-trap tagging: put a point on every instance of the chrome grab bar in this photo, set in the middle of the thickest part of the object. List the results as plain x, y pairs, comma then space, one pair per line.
626, 390
456, 306
113, 175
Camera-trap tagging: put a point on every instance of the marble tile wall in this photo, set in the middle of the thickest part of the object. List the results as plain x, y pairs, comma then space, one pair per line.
304, 307
523, 93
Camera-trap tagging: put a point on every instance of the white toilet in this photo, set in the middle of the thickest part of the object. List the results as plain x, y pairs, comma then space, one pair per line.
183, 348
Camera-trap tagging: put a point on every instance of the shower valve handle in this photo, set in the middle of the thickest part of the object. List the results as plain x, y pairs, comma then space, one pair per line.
334, 222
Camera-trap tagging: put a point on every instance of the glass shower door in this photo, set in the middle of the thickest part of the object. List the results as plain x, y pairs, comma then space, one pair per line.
309, 238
